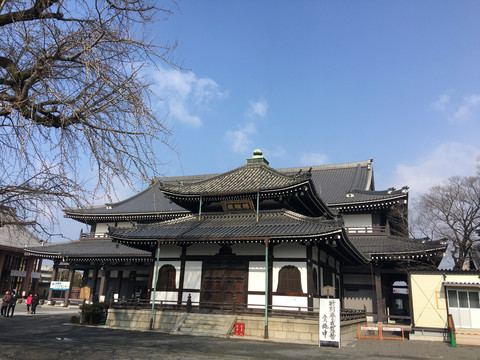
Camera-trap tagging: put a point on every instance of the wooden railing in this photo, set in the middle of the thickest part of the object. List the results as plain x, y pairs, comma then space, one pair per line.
235, 308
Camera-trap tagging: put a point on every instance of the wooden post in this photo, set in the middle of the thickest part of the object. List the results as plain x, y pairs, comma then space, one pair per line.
54, 278
265, 334
71, 273
379, 298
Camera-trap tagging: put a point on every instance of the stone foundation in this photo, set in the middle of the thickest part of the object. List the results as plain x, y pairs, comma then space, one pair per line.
281, 329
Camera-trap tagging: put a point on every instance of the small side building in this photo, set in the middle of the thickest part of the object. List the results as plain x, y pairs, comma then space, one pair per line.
17, 271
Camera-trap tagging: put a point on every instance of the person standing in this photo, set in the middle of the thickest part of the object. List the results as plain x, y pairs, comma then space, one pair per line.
12, 303
35, 301
29, 302
5, 300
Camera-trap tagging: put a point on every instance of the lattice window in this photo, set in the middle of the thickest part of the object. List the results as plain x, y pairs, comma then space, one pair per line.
166, 278
289, 280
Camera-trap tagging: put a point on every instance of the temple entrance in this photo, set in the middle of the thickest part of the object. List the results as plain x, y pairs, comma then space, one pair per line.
224, 281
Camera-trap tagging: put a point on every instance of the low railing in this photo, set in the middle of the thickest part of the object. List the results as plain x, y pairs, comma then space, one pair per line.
369, 230
234, 308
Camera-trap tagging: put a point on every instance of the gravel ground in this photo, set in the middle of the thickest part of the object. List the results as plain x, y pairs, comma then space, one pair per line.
49, 335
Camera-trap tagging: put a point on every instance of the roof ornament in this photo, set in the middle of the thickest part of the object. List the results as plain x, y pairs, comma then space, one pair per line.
257, 158
390, 190
405, 189
349, 194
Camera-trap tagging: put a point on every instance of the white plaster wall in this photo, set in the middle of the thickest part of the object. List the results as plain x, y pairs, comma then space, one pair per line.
357, 220
302, 266
248, 249
166, 296
256, 276
203, 249
195, 297
102, 228
256, 301
287, 302
323, 256
331, 261
290, 250
193, 275
170, 251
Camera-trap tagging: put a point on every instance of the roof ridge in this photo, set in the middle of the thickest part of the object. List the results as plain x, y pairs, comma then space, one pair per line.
330, 166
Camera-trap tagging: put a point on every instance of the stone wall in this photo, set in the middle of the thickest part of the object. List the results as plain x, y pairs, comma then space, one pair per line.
291, 330
164, 321
281, 329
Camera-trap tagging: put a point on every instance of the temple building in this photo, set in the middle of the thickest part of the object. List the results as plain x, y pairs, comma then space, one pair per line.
253, 237
17, 272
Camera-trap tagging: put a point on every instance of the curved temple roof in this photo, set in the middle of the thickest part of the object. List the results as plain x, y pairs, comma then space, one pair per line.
338, 186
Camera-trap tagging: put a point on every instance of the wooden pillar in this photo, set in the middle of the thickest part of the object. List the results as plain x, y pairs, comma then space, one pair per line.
35, 281
71, 275
28, 269
379, 298
182, 274
95, 281
103, 282
54, 278
310, 285
119, 283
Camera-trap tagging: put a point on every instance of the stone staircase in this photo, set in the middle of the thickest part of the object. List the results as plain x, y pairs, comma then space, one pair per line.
213, 325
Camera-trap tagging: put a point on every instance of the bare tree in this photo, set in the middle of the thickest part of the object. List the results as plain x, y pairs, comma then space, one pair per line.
74, 101
451, 211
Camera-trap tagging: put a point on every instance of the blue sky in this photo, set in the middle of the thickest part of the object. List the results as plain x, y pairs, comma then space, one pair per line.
322, 82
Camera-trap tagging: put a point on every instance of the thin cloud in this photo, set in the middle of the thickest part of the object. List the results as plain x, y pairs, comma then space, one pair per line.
468, 109
312, 159
257, 109
442, 102
241, 141
456, 112
185, 95
445, 161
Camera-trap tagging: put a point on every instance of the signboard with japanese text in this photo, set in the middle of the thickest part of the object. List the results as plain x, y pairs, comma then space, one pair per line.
329, 322
238, 206
60, 285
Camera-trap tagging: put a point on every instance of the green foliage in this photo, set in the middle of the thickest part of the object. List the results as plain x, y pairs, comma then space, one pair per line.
75, 319
94, 314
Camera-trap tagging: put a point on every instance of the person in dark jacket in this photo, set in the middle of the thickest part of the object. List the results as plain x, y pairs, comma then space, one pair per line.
35, 301
5, 300
12, 303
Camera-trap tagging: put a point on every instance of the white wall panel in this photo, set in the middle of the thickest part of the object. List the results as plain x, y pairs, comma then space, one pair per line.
256, 276
193, 275
290, 250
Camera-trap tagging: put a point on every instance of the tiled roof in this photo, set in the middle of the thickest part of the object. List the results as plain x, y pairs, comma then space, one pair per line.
247, 178
272, 223
15, 236
395, 245
90, 248
332, 183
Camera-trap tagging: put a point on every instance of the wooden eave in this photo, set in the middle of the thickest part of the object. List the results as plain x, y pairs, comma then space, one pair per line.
95, 218
369, 204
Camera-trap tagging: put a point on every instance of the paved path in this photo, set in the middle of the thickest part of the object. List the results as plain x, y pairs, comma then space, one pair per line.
48, 335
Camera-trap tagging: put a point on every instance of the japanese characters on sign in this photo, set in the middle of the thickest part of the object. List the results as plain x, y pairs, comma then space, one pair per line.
238, 206
329, 322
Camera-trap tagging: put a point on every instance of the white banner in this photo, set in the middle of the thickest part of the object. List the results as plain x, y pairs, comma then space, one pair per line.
329, 322
60, 285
